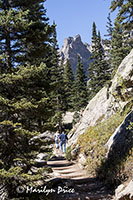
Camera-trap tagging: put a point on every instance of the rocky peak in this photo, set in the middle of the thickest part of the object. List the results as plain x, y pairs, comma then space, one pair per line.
77, 39
73, 47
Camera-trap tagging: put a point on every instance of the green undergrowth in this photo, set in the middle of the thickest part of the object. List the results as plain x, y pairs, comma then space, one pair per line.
92, 145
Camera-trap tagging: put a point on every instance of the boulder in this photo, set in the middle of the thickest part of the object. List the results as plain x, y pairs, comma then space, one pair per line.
40, 160
124, 191
40, 163
47, 136
3, 192
122, 140
82, 160
42, 156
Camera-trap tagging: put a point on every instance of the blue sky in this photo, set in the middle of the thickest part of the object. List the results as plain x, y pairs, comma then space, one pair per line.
76, 17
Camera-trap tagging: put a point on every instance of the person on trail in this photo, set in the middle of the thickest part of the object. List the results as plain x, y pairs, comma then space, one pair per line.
57, 140
63, 138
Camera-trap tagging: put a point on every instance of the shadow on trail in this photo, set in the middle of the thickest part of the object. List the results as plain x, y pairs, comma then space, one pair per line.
72, 183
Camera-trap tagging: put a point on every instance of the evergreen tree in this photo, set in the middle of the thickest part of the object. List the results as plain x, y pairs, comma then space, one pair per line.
125, 18
125, 12
80, 87
99, 68
94, 37
24, 34
68, 79
121, 43
117, 53
109, 27
119, 47
107, 50
24, 102
56, 71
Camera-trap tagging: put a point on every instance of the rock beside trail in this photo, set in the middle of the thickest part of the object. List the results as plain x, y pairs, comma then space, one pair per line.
124, 192
108, 100
47, 136
122, 139
40, 163
3, 192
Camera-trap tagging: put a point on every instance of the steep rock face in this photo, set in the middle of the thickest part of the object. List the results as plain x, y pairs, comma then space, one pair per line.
108, 100
73, 47
118, 140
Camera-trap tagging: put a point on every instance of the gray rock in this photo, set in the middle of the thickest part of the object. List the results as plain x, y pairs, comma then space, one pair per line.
33, 170
46, 136
122, 140
104, 104
73, 47
82, 159
3, 192
40, 163
124, 191
68, 117
40, 160
42, 156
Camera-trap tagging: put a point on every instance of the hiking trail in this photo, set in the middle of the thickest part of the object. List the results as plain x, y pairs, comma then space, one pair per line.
74, 183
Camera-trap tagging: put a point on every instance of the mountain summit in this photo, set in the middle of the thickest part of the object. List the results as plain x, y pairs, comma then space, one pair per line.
72, 48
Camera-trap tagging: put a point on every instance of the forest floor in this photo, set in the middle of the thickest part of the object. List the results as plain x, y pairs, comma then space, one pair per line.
74, 183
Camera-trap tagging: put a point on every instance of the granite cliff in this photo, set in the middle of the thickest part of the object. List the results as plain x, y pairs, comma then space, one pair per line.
73, 47
108, 100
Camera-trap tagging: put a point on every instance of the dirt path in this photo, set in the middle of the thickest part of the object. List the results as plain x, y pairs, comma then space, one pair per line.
73, 183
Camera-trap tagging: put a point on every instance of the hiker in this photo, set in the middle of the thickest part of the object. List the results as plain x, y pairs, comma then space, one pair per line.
57, 140
63, 138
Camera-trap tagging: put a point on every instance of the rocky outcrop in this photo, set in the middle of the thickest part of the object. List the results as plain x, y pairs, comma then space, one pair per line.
48, 139
108, 100
73, 47
124, 191
122, 139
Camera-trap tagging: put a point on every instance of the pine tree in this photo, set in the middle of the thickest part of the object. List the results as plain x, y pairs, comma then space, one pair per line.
36, 39
24, 34
80, 87
125, 18
119, 46
11, 22
68, 79
125, 12
26, 103
109, 27
117, 53
99, 68
56, 71
107, 50
121, 43
94, 37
